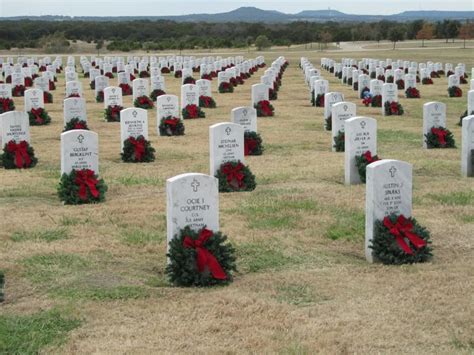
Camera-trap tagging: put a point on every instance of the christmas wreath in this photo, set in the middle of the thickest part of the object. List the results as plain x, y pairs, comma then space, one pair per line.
441, 72
381, 77
339, 75
462, 80
349, 81
449, 73
28, 82
38, 117
126, 89
364, 92
86, 75
439, 137
171, 126
132, 77
192, 111
109, 75
165, 70
206, 102
189, 80
362, 161
75, 123
355, 87
434, 74
344, 81
47, 97
399, 240
319, 101
81, 186
376, 101
18, 90
272, 94
99, 97
213, 74
178, 74
393, 108
264, 109
373, 75
427, 81
206, 76
18, 155
400, 84
112, 113
200, 258
454, 91
225, 87
143, 74
6, 105
328, 123
137, 150
390, 79
235, 176
233, 82
412, 93
91, 85
155, 93
462, 116
253, 143
8, 79
240, 80
74, 94
143, 102
339, 144
52, 85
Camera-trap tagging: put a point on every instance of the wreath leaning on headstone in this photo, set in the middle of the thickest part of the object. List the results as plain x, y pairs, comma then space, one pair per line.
38, 117
6, 105
112, 113
75, 123
200, 258
439, 137
80, 187
171, 126
18, 155
234, 176
362, 161
464, 115
400, 240
339, 144
253, 143
137, 150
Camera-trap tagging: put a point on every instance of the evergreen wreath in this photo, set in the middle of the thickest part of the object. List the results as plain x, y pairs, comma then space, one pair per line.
400, 84
319, 101
206, 76
272, 94
38, 117
18, 90
362, 161
81, 186
355, 87
143, 74
165, 70
171, 126
192, 111
427, 81
454, 91
439, 137
464, 115
393, 108
156, 93
143, 102
235, 176
112, 113
434, 74
189, 80
47, 97
264, 109
206, 102
381, 77
126, 89
390, 79
52, 85
225, 87
100, 97
441, 72
74, 94
137, 150
109, 75
6, 105
412, 93
373, 75
18, 155
28, 82
91, 85
178, 74
200, 258
449, 73
328, 123
75, 123
399, 240
253, 143
339, 143
349, 81
233, 82
462, 80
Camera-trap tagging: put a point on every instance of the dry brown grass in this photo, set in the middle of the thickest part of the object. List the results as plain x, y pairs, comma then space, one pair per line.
303, 286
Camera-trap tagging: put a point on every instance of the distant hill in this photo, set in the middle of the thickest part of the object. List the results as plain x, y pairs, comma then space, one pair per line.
253, 14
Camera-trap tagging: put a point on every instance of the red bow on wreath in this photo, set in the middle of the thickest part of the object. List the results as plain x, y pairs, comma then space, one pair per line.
172, 122
402, 229
139, 145
234, 174
441, 134
37, 112
394, 107
249, 145
192, 111
22, 158
79, 125
368, 156
115, 111
6, 104
85, 179
204, 258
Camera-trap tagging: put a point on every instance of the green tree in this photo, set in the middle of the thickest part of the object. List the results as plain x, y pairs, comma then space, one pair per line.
99, 44
395, 35
262, 42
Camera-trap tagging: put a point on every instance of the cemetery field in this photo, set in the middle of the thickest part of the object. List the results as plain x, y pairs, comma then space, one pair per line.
93, 275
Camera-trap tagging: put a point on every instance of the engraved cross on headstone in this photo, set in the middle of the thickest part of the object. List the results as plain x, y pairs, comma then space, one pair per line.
195, 184
392, 171
228, 130
80, 138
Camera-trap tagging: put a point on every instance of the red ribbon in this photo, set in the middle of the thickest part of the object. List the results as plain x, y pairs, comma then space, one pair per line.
5, 104
173, 122
115, 111
139, 145
394, 107
249, 145
204, 258
441, 134
368, 156
192, 111
37, 113
22, 158
85, 179
402, 229
234, 174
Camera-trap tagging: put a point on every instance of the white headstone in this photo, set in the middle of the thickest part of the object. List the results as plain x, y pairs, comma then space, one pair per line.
389, 94
15, 125
205, 87
434, 115
34, 99
133, 123
167, 105
467, 150
388, 191
140, 88
74, 107
246, 117
113, 96
189, 95
330, 99
226, 143
79, 150
340, 112
259, 93
73, 87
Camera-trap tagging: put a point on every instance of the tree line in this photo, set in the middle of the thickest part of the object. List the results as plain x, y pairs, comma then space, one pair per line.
161, 35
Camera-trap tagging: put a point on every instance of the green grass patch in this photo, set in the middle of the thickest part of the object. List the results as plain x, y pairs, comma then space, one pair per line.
49, 235
142, 237
29, 334
398, 137
461, 198
133, 180
102, 293
349, 225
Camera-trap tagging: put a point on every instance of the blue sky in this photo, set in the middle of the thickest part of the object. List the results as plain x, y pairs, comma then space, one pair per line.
180, 7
